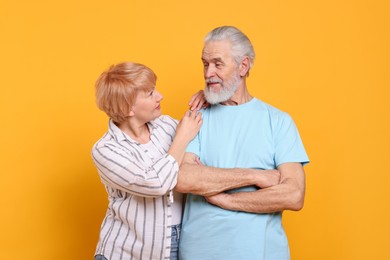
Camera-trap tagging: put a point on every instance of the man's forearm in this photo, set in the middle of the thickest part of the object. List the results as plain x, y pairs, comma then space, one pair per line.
273, 199
207, 181
287, 195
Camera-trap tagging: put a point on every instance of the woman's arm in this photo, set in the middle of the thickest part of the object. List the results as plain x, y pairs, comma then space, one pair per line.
118, 169
121, 169
186, 130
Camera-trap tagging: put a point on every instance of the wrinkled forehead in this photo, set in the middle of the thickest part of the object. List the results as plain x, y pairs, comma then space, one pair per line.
217, 50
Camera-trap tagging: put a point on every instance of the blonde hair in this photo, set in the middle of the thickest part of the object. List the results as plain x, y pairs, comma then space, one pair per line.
117, 88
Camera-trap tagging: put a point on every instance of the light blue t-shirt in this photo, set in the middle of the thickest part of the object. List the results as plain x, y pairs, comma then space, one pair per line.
251, 135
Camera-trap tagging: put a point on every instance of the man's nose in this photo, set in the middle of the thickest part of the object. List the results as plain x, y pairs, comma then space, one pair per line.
209, 71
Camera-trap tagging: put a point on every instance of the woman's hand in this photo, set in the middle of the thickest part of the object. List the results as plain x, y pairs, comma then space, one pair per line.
186, 130
189, 126
198, 101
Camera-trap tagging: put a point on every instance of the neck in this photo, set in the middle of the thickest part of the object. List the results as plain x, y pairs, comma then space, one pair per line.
241, 96
138, 131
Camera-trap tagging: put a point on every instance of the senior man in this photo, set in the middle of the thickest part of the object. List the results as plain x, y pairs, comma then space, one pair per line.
238, 131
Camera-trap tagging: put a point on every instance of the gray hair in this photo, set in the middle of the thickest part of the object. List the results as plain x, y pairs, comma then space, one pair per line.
241, 45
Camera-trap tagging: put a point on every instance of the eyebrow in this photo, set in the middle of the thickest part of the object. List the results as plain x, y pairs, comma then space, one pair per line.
215, 60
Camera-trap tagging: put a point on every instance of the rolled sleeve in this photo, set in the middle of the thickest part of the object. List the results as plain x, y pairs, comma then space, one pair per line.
121, 171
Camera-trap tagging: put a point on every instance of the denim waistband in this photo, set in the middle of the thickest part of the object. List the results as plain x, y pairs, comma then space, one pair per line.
176, 230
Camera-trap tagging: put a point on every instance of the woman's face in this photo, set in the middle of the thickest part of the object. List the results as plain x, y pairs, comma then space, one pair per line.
147, 105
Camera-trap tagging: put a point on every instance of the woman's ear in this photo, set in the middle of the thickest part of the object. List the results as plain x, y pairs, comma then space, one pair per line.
132, 113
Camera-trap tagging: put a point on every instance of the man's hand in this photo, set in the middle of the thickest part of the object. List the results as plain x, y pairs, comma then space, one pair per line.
220, 199
268, 178
288, 194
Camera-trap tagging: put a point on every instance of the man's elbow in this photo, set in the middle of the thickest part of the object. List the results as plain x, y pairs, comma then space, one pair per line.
297, 206
185, 185
296, 201
184, 182
181, 187
190, 181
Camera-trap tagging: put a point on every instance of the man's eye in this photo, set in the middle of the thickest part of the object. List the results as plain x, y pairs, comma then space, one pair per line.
218, 65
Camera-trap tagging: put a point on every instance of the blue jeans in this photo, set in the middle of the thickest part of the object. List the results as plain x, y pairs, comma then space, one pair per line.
175, 242
100, 257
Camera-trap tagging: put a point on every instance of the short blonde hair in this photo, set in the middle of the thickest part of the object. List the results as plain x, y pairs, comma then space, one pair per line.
117, 88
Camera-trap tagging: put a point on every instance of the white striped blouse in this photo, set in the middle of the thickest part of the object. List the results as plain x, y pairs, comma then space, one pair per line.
139, 179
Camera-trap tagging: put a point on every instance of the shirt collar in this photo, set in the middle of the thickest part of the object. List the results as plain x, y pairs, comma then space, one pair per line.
120, 136
116, 132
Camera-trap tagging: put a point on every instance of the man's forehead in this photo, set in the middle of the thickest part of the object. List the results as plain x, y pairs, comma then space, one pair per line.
216, 50
212, 59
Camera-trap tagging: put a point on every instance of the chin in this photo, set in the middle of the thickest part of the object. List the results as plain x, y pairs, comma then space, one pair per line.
158, 114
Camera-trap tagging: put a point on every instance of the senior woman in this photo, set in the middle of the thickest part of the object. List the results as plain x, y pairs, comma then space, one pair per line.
138, 161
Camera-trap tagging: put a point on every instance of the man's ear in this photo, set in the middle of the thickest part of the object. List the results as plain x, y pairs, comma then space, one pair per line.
244, 66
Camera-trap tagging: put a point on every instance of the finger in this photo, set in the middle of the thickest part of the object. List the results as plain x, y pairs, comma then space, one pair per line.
197, 101
195, 105
192, 114
201, 103
197, 160
187, 113
199, 115
194, 98
199, 120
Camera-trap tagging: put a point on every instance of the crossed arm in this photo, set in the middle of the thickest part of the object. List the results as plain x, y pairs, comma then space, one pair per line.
283, 189
208, 181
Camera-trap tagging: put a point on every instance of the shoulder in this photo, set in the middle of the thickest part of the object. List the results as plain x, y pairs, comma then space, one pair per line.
164, 124
105, 144
164, 120
105, 139
276, 117
167, 118
274, 113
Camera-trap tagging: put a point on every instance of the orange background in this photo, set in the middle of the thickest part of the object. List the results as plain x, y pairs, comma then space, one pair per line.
324, 62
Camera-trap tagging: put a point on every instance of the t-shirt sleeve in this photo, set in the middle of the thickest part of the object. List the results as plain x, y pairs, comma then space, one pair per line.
288, 143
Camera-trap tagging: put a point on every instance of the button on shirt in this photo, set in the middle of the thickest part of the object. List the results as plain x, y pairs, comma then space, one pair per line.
139, 179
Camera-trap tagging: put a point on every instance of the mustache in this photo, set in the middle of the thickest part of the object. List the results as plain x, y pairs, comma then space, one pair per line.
211, 80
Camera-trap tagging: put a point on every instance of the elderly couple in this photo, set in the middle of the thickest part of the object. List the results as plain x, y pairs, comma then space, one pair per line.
240, 162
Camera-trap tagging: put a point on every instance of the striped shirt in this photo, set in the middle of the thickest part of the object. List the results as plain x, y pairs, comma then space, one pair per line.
139, 179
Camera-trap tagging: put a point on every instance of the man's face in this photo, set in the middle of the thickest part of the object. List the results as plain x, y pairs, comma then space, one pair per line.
220, 71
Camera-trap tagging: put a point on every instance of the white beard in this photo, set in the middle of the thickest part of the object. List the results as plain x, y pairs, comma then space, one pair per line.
226, 92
